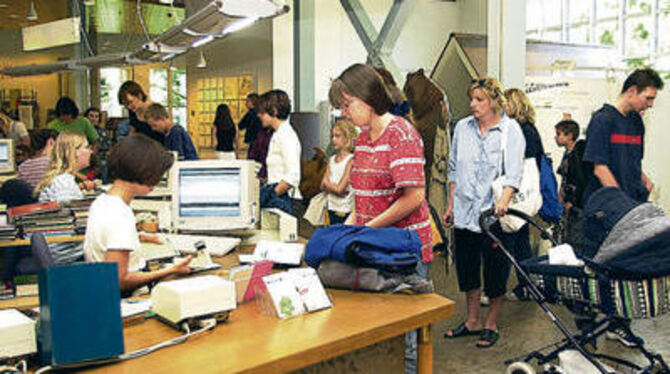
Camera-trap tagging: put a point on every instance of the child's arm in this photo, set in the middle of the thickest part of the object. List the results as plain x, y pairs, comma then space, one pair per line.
325, 181
342, 187
131, 280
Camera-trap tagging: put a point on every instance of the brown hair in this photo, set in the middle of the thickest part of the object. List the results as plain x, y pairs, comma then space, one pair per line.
519, 106
492, 89
363, 82
155, 111
131, 88
349, 131
139, 159
275, 103
568, 127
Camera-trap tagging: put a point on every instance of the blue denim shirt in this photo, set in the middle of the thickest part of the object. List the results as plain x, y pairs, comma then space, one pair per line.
474, 163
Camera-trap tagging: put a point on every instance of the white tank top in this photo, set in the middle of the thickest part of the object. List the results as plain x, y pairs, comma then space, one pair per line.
336, 170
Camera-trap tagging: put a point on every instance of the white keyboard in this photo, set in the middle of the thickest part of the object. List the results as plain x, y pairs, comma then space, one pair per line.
216, 245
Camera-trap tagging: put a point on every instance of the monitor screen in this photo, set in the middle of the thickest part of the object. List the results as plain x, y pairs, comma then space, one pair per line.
5, 149
209, 192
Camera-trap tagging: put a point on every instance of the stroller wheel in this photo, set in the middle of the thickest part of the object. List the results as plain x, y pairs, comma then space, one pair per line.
520, 368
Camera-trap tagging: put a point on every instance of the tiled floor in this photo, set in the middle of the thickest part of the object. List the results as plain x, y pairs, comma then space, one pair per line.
523, 327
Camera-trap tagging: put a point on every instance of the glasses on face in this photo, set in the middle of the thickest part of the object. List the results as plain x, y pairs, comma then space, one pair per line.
480, 82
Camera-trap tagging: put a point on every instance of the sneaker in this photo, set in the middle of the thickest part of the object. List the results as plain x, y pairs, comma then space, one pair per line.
624, 337
518, 294
484, 300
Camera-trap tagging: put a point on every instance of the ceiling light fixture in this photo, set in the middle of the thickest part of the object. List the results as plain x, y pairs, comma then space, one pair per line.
32, 13
202, 63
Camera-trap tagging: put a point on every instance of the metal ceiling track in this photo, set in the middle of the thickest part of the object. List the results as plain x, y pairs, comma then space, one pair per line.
216, 20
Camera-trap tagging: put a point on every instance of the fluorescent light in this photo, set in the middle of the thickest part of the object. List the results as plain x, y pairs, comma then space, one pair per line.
238, 25
203, 41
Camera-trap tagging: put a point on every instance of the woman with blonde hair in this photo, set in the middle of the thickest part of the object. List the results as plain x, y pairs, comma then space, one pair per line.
474, 163
70, 153
520, 108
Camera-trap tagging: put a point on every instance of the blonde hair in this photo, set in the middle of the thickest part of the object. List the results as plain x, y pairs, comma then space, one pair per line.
519, 106
63, 158
492, 89
349, 132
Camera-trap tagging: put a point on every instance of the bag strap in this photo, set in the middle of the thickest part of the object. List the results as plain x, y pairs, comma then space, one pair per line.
503, 147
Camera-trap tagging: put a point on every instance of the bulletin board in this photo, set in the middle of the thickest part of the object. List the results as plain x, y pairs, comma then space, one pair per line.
229, 90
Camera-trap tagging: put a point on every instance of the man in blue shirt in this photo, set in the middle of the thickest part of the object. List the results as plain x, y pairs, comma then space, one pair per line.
176, 138
615, 146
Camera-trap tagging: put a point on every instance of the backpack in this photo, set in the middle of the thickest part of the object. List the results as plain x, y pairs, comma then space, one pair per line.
552, 209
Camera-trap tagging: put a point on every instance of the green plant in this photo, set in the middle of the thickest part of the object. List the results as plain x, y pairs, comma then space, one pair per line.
635, 63
640, 32
607, 38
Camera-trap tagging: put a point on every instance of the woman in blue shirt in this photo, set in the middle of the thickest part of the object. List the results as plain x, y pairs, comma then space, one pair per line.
474, 163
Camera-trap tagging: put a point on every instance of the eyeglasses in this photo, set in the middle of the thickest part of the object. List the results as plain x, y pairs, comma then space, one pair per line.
481, 82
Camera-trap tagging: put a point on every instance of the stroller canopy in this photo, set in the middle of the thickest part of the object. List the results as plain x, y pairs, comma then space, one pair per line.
630, 238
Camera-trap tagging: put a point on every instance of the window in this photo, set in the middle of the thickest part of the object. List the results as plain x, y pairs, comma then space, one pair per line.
603, 22
158, 90
179, 111
110, 82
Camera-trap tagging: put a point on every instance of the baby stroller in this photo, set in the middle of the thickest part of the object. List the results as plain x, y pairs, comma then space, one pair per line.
619, 292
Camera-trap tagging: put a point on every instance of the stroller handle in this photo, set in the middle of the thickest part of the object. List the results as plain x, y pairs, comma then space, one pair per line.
488, 218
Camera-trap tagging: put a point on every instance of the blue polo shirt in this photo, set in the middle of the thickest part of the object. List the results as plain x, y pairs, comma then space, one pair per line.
177, 139
617, 141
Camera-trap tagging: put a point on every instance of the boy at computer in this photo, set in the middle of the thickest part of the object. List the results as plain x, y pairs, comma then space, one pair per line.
176, 138
137, 164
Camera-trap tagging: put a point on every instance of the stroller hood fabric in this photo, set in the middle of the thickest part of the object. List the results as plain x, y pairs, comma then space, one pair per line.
390, 249
630, 238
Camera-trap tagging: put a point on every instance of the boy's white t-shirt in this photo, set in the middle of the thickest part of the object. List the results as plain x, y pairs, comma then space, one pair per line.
111, 226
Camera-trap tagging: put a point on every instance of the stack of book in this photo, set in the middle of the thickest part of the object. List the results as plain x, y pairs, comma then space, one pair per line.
7, 231
79, 209
48, 218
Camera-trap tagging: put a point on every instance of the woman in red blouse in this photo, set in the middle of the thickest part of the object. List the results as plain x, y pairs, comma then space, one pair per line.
387, 173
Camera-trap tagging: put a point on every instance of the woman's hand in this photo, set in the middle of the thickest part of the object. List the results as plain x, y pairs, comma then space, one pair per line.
181, 267
502, 205
449, 216
151, 238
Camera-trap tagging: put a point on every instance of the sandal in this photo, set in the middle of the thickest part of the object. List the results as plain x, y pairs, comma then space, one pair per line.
490, 337
460, 331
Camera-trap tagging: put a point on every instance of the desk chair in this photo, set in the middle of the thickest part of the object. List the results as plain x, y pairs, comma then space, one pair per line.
40, 249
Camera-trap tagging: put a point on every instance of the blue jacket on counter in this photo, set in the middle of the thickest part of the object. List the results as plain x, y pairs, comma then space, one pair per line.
389, 249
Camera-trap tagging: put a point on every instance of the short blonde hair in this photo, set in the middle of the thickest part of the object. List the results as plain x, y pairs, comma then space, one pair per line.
349, 131
519, 106
492, 89
63, 158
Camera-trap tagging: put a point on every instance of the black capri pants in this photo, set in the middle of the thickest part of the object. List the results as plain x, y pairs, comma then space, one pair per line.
471, 250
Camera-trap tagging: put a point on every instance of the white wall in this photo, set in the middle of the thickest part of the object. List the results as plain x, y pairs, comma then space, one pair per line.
425, 33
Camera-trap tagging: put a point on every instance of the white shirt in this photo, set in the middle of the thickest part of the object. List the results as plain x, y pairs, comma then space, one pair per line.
111, 226
63, 188
340, 204
283, 161
17, 130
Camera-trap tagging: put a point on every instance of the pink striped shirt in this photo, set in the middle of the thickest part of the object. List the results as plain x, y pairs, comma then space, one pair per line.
382, 168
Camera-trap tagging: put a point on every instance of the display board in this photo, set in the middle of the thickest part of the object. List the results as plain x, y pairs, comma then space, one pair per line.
229, 90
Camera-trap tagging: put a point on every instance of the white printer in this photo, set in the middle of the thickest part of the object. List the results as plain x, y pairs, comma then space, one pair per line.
193, 298
17, 334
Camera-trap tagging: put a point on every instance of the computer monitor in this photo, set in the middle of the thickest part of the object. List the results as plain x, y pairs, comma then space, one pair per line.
214, 195
7, 162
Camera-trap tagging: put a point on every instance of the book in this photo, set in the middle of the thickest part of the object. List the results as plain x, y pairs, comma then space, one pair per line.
49, 206
256, 285
285, 298
296, 291
26, 285
310, 289
277, 252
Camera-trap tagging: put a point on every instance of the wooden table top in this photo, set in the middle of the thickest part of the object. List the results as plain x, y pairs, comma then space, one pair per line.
50, 239
251, 341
